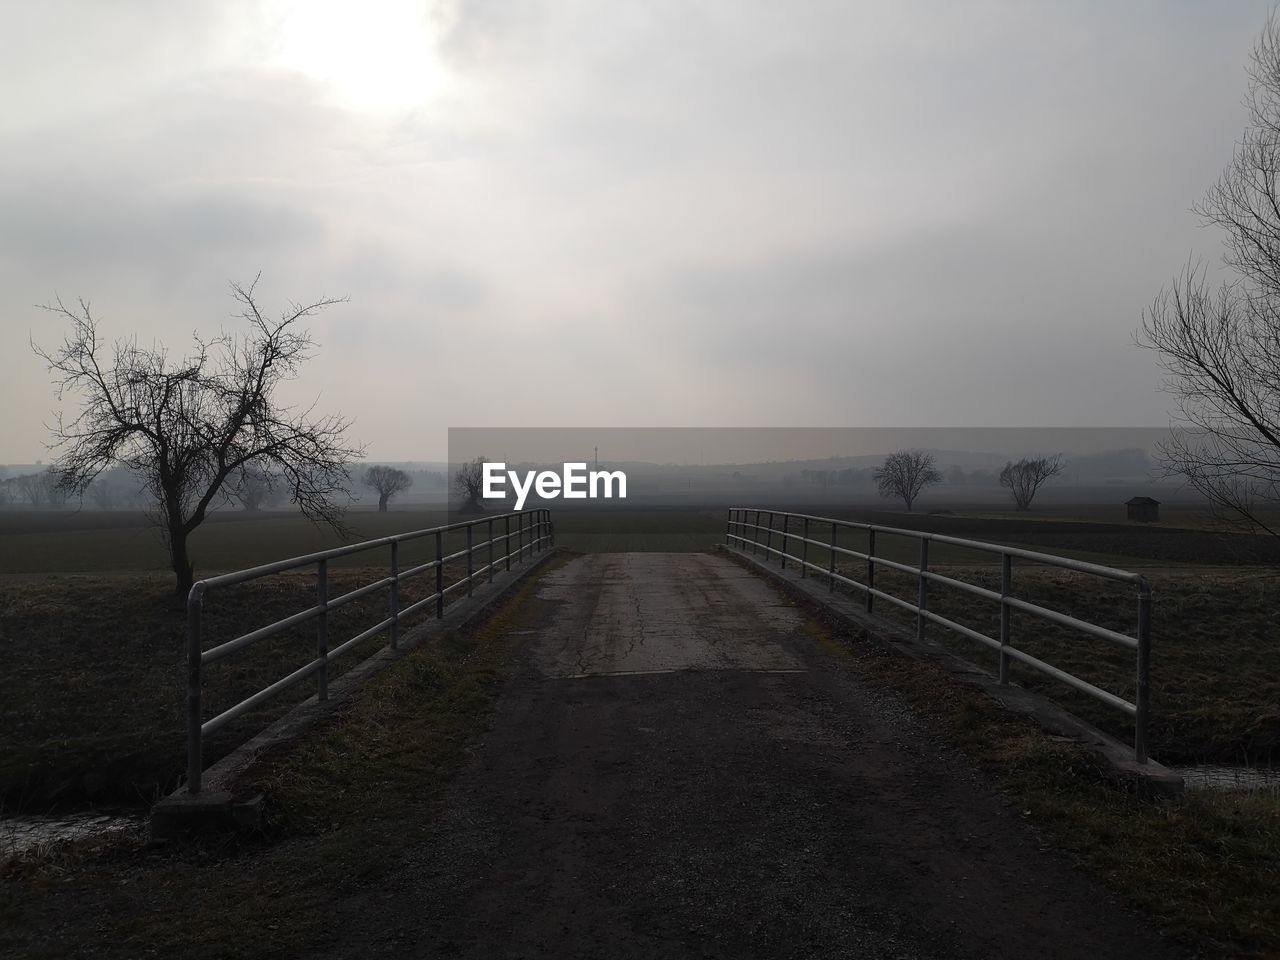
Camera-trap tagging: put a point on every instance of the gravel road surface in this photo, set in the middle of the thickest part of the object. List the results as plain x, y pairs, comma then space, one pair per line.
676, 769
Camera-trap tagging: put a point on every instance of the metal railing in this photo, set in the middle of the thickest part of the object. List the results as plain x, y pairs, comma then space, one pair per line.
745, 530
531, 530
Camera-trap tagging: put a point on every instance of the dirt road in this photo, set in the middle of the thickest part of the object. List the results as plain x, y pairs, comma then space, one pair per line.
677, 769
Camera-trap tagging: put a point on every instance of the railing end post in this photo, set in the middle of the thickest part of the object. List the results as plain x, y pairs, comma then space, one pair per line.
195, 610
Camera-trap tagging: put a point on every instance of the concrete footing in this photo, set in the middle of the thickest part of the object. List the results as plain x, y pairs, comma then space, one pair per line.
184, 814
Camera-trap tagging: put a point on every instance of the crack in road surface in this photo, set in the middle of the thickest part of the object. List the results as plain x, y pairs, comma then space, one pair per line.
675, 769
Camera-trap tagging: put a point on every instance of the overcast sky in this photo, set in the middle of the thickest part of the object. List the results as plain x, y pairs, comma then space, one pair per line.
620, 214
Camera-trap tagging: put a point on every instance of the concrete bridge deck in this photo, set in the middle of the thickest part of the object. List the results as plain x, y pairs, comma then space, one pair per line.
678, 769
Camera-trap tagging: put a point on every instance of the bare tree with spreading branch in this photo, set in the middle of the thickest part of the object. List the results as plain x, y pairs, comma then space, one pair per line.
387, 481
1027, 475
905, 473
1220, 346
186, 427
468, 482
41, 490
254, 488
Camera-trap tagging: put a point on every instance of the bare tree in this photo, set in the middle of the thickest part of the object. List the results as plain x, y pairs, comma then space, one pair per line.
1219, 345
41, 490
905, 473
255, 488
388, 481
32, 488
469, 484
1025, 477
102, 493
187, 427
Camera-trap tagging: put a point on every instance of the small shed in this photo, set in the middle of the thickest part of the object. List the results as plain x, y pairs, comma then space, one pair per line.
1143, 509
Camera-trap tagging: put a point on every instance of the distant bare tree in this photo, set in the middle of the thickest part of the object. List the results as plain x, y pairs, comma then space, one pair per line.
469, 484
102, 493
188, 427
905, 473
32, 488
387, 481
254, 488
1025, 477
40, 490
1219, 346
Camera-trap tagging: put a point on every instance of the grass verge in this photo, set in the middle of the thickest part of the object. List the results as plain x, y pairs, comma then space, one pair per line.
359, 788
1215, 661
93, 684
1207, 869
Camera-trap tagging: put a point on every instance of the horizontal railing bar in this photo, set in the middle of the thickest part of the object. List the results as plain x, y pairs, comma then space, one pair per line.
1047, 559
977, 591
961, 629
231, 646
1081, 685
924, 575
1026, 607
417, 605
359, 592
292, 563
458, 585
360, 637
1069, 621
244, 706
420, 568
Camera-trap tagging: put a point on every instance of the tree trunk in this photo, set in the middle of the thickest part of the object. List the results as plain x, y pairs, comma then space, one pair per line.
181, 562
382, 502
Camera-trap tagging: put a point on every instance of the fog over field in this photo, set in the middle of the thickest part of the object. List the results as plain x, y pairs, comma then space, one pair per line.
723, 213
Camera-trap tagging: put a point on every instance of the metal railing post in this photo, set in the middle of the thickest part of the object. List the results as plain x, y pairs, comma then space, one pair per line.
470, 565
831, 561
439, 574
782, 555
322, 630
871, 568
924, 589
728, 529
195, 604
768, 545
1143, 698
804, 548
519, 538
395, 594
491, 549
506, 541
1006, 582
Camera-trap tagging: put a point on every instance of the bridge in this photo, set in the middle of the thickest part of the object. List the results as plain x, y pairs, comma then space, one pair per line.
681, 764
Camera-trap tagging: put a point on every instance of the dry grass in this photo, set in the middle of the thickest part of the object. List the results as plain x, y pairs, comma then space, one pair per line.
93, 688
1215, 664
358, 789
1207, 870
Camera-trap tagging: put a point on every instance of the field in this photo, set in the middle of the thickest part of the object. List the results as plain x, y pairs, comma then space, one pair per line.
91, 634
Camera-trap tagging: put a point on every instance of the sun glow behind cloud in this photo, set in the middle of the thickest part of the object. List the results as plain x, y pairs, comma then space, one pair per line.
373, 57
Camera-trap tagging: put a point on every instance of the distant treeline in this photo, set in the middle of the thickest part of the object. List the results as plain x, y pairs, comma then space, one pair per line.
1095, 467
35, 486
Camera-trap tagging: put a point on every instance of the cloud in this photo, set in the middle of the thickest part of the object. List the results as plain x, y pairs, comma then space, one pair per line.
718, 212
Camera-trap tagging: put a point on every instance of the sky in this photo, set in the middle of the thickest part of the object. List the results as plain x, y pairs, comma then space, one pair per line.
565, 213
